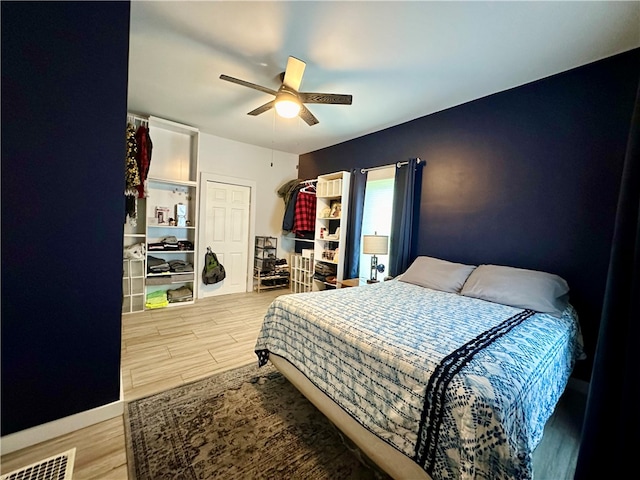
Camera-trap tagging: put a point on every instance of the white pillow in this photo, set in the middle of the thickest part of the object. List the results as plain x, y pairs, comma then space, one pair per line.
518, 287
437, 274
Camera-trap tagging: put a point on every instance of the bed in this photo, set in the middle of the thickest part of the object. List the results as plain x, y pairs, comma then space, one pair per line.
450, 371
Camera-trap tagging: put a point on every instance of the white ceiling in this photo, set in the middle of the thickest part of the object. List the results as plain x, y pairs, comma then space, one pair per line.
399, 60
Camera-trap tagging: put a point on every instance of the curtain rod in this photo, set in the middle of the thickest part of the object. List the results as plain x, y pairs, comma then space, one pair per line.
397, 165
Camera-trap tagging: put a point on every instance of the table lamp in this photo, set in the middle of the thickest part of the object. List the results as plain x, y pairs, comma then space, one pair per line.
375, 245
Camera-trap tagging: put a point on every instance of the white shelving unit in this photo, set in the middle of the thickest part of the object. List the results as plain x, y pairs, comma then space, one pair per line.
165, 194
133, 276
266, 273
133, 235
332, 205
301, 271
171, 182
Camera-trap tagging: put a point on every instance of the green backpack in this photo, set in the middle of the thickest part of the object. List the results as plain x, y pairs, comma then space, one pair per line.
213, 271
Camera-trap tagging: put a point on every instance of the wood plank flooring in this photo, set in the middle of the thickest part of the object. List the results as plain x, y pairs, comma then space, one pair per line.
161, 349
166, 348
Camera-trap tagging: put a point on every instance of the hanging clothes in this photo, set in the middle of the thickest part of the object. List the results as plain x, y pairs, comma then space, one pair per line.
130, 209
286, 191
132, 176
289, 193
143, 158
289, 212
304, 218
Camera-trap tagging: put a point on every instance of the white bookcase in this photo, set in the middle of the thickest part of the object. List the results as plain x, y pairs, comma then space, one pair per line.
166, 194
332, 207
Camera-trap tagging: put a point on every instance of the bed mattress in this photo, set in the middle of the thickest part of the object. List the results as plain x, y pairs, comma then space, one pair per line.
461, 386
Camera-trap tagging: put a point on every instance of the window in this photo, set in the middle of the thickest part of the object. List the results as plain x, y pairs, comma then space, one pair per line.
378, 210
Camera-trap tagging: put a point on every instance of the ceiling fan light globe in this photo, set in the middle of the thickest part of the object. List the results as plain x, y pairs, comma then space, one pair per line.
287, 108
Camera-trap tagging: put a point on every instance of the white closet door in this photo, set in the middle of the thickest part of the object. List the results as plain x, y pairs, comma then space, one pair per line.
226, 231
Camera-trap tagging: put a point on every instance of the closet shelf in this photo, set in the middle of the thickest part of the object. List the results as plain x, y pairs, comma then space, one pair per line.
168, 274
325, 260
177, 304
171, 226
172, 126
151, 252
296, 239
186, 183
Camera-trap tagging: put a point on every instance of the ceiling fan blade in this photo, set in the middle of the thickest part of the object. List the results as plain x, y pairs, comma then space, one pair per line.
262, 109
247, 84
307, 116
293, 73
333, 98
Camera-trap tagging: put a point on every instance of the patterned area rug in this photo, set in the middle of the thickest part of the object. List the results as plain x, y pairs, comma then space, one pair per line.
248, 423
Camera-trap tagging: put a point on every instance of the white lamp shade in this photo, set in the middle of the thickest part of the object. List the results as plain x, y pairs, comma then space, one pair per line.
375, 244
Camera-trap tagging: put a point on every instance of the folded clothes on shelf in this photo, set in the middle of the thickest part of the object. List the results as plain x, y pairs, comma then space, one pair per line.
180, 266
170, 243
157, 265
182, 294
157, 299
185, 245
272, 282
324, 269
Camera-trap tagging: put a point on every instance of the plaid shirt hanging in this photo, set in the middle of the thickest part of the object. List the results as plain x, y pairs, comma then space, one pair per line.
304, 218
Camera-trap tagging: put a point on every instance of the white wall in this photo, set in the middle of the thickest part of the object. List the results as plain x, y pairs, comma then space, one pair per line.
269, 169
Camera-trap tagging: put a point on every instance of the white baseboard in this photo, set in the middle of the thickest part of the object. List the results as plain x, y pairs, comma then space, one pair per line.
47, 431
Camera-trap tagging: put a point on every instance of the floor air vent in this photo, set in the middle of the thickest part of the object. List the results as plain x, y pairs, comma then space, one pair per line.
58, 467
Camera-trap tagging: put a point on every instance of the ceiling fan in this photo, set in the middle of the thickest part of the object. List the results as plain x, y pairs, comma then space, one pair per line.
289, 102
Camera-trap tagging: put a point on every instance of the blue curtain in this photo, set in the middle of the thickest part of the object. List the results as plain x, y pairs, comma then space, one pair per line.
406, 212
354, 229
612, 417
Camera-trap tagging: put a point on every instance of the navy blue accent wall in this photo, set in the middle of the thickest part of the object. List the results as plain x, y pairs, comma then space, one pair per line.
528, 177
64, 103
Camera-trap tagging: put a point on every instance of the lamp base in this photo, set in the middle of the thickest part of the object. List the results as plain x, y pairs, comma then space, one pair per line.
374, 269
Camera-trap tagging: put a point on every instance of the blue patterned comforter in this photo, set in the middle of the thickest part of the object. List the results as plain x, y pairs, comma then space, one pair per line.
461, 385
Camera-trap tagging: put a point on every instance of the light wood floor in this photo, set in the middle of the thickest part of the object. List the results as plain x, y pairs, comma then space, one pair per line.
166, 348
161, 349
